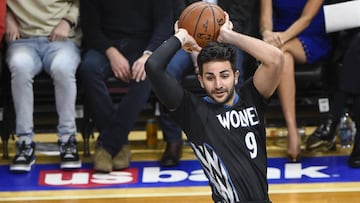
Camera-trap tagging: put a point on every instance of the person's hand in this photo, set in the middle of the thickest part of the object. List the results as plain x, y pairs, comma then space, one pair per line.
60, 32
188, 42
273, 38
138, 68
119, 64
12, 30
225, 28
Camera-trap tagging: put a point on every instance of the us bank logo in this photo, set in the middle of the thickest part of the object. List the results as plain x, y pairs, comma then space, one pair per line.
188, 173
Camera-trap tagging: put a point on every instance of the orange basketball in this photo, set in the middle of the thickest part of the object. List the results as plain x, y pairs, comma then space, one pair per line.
202, 21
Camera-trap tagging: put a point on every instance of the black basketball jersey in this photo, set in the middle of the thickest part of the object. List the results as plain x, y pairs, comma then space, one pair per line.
230, 143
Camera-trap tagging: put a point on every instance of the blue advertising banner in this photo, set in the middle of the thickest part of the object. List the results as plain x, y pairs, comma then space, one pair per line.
148, 174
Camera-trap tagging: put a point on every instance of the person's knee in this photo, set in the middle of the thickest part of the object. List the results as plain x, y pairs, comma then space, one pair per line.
20, 66
87, 70
64, 70
19, 60
90, 67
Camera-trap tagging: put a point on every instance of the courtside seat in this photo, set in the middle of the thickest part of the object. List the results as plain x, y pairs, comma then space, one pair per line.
7, 124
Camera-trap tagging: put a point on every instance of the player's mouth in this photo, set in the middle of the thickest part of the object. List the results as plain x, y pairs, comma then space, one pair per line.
219, 94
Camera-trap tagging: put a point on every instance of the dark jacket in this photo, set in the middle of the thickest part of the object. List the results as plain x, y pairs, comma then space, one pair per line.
105, 22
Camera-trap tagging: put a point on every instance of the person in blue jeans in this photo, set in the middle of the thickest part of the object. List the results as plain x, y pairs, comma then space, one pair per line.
119, 36
243, 15
43, 37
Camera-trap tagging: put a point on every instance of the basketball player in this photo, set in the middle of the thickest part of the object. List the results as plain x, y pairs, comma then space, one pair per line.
244, 16
226, 128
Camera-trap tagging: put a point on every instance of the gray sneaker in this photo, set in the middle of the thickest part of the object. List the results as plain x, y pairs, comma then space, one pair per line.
69, 154
102, 160
122, 159
24, 158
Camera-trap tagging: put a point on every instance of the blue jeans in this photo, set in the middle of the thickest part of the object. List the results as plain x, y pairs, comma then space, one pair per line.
60, 59
113, 122
181, 65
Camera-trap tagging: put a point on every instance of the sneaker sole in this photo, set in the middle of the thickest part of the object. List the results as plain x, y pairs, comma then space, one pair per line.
322, 146
71, 165
101, 168
21, 168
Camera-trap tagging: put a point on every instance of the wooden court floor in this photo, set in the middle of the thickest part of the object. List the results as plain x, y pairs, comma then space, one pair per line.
335, 197
279, 193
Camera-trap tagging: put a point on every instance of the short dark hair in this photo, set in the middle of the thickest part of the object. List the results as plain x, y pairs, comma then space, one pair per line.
216, 51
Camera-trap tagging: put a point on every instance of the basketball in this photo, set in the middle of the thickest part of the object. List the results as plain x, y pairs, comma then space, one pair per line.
202, 21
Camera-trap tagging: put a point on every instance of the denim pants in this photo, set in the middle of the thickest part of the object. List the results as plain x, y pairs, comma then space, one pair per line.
114, 122
28, 57
181, 65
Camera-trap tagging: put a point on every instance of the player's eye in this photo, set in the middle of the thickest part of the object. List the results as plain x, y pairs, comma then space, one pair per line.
225, 76
209, 78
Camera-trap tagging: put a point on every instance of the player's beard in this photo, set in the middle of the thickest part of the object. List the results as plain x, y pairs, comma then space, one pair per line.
230, 95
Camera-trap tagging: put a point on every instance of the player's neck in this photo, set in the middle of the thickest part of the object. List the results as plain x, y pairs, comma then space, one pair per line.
235, 100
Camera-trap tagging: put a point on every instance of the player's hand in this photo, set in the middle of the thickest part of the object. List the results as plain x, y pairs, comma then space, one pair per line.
225, 28
187, 41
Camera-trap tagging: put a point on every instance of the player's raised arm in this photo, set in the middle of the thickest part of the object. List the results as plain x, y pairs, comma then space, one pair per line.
267, 76
167, 89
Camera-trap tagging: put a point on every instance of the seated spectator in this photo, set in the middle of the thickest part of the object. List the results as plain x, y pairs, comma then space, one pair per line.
119, 36
348, 87
298, 29
42, 37
242, 14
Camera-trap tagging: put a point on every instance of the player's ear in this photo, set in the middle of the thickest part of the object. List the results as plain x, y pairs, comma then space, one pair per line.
200, 78
236, 77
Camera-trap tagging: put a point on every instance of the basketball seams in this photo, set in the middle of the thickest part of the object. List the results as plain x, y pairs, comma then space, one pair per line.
187, 12
214, 22
202, 20
199, 19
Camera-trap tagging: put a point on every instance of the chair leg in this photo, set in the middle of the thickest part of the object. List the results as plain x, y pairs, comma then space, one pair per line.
5, 148
86, 132
86, 147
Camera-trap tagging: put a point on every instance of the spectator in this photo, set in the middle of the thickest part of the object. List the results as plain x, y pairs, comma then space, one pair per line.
119, 36
348, 87
42, 37
232, 154
298, 29
243, 14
